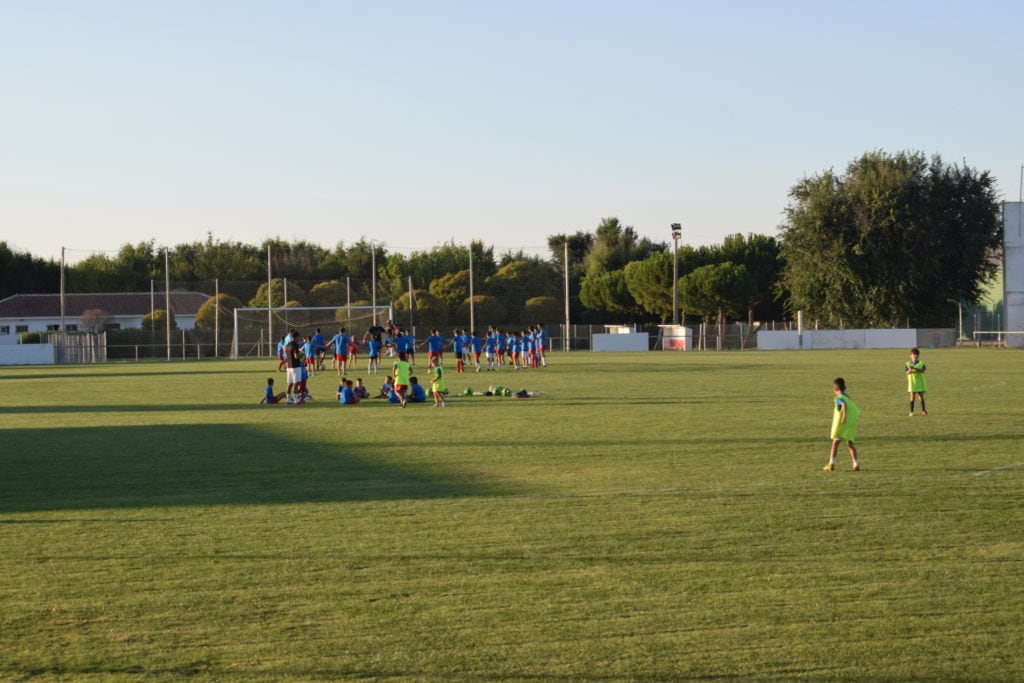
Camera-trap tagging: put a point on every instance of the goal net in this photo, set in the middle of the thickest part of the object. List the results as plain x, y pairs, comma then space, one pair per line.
257, 330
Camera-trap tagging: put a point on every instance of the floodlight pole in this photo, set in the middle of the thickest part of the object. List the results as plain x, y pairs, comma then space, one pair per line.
373, 279
677, 231
167, 297
472, 322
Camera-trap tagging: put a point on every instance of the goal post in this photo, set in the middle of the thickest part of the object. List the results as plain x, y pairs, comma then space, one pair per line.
256, 331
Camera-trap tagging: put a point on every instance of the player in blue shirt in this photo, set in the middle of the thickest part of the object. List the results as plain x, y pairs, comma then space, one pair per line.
435, 345
346, 396
477, 344
406, 343
373, 347
489, 345
307, 354
542, 345
513, 350
501, 346
281, 364
318, 349
417, 394
459, 347
340, 343
268, 393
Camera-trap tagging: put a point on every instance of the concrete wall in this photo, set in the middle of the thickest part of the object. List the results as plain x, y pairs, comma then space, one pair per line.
855, 339
27, 354
777, 341
1013, 272
635, 341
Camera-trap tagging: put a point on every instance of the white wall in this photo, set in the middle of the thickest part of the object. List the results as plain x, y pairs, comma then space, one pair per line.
777, 341
27, 354
635, 341
839, 339
1013, 271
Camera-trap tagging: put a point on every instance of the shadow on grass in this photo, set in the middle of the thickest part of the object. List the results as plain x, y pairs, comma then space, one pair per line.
198, 465
326, 401
103, 372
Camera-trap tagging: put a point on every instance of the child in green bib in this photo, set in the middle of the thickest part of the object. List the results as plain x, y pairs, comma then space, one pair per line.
844, 425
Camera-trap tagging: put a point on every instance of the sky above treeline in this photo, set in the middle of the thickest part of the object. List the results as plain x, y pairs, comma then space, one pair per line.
414, 124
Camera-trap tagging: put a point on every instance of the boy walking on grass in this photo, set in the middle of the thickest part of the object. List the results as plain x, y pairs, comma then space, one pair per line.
844, 425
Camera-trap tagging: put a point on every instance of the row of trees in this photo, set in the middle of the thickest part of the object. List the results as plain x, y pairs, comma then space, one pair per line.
891, 240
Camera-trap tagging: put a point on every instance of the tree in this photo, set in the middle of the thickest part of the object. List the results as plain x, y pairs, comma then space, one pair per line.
296, 296
615, 245
608, 291
20, 273
210, 260
487, 310
428, 311
131, 270
206, 316
759, 254
157, 320
891, 240
330, 293
580, 244
298, 260
519, 280
650, 284
717, 291
544, 309
426, 266
452, 288
94, 320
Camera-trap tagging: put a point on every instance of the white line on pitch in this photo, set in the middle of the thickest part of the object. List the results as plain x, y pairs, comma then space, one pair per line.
998, 469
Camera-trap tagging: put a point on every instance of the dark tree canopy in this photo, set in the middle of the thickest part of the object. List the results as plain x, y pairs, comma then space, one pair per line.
890, 241
23, 274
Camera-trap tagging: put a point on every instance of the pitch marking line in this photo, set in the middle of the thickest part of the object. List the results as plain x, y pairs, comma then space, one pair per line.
983, 473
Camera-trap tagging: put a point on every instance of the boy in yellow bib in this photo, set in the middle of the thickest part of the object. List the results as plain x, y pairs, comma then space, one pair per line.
916, 384
844, 425
437, 386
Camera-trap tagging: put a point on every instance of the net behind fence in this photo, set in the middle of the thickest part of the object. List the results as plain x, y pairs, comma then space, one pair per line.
257, 331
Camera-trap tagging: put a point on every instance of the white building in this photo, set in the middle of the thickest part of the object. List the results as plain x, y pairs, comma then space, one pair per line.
41, 312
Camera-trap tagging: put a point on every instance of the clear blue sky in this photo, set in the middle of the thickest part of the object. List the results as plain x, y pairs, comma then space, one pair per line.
415, 123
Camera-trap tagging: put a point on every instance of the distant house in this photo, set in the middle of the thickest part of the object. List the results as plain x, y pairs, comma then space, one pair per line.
41, 312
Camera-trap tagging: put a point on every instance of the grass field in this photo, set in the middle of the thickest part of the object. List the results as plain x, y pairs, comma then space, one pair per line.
650, 517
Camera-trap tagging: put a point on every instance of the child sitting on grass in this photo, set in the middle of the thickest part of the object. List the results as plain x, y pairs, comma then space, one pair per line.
268, 393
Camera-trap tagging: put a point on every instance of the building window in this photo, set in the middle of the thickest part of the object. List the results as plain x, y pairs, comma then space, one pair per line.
18, 329
71, 328
112, 326
5, 329
53, 328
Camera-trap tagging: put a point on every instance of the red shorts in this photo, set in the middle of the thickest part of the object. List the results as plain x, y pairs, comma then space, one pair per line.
274, 399
401, 387
343, 358
433, 354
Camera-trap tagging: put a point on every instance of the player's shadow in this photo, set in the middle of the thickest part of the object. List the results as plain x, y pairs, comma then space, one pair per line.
201, 465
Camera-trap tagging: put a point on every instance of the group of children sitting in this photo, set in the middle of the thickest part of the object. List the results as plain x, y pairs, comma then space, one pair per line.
351, 392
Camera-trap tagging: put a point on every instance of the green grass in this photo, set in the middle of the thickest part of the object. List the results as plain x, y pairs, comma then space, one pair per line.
650, 517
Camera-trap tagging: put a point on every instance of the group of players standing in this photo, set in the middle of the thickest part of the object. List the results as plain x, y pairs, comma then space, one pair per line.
303, 356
